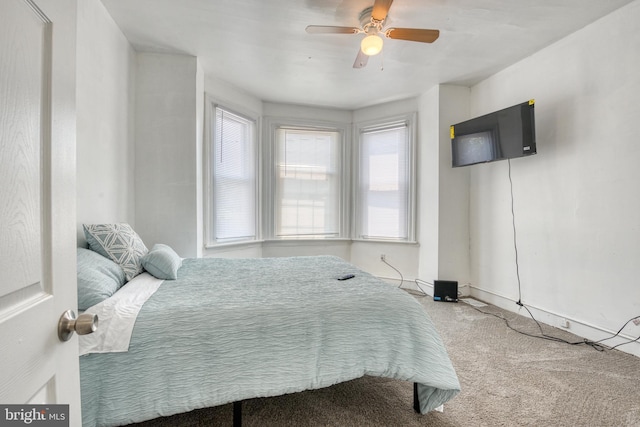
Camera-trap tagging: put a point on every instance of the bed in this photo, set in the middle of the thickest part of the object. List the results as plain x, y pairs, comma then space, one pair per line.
227, 330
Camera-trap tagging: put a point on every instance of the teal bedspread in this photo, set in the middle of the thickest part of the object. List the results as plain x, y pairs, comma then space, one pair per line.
234, 329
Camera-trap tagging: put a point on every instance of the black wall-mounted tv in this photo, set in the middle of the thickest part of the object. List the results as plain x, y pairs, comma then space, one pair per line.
504, 134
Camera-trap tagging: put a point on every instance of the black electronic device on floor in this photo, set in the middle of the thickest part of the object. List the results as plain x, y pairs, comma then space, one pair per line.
445, 290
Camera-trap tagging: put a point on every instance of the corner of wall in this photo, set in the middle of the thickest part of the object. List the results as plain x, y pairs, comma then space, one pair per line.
428, 149
200, 118
453, 196
443, 201
166, 150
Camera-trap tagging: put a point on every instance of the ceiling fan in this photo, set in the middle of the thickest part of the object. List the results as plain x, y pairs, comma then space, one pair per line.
372, 24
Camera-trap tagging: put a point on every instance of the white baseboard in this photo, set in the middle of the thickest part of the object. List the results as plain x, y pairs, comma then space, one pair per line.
577, 327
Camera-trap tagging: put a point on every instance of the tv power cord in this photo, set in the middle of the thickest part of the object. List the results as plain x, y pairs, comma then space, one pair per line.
595, 344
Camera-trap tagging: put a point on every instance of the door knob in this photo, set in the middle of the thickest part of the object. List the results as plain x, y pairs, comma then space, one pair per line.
84, 324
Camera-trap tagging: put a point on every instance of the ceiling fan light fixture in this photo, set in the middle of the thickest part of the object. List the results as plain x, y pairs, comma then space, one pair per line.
371, 45
372, 24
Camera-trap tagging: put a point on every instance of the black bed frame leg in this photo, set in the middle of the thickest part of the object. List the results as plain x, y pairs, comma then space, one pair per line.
237, 414
416, 401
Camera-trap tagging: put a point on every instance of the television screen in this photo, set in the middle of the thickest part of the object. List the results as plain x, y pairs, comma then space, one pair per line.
475, 148
504, 134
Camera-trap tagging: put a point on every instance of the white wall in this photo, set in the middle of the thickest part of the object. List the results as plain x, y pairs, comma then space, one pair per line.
105, 97
453, 197
273, 109
444, 191
576, 201
233, 97
168, 151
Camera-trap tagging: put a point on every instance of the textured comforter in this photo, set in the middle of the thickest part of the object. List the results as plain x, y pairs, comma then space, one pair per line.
234, 329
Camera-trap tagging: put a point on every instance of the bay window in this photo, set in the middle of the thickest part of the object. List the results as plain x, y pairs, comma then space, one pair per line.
319, 180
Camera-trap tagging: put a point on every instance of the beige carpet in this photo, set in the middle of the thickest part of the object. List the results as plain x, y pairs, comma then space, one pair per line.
507, 379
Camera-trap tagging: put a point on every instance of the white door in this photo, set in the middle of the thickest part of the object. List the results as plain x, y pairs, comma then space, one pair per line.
37, 202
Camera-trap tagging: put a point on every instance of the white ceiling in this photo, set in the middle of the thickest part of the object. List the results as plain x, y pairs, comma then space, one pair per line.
261, 46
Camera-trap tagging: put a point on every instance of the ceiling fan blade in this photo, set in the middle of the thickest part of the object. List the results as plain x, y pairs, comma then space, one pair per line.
381, 9
328, 29
413, 34
361, 59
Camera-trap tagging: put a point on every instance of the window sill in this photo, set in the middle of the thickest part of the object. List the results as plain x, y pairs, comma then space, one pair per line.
390, 242
302, 242
244, 243
306, 242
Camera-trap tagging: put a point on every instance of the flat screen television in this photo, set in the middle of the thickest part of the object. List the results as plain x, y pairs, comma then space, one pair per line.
504, 134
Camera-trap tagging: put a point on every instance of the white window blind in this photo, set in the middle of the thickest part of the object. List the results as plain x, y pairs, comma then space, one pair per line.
233, 165
384, 183
307, 184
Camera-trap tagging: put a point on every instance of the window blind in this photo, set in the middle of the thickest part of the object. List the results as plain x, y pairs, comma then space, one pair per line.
307, 184
234, 178
383, 183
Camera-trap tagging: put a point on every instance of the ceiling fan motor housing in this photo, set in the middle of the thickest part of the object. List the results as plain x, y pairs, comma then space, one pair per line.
368, 24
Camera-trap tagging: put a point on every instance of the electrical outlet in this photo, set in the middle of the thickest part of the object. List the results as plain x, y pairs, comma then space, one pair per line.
636, 321
383, 257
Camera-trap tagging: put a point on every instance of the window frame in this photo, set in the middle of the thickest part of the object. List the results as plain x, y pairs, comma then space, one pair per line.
270, 153
209, 227
410, 121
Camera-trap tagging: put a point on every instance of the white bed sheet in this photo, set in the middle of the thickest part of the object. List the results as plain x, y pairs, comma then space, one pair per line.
117, 316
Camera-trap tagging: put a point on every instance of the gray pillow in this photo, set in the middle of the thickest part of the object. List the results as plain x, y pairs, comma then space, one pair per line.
162, 262
98, 278
119, 243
